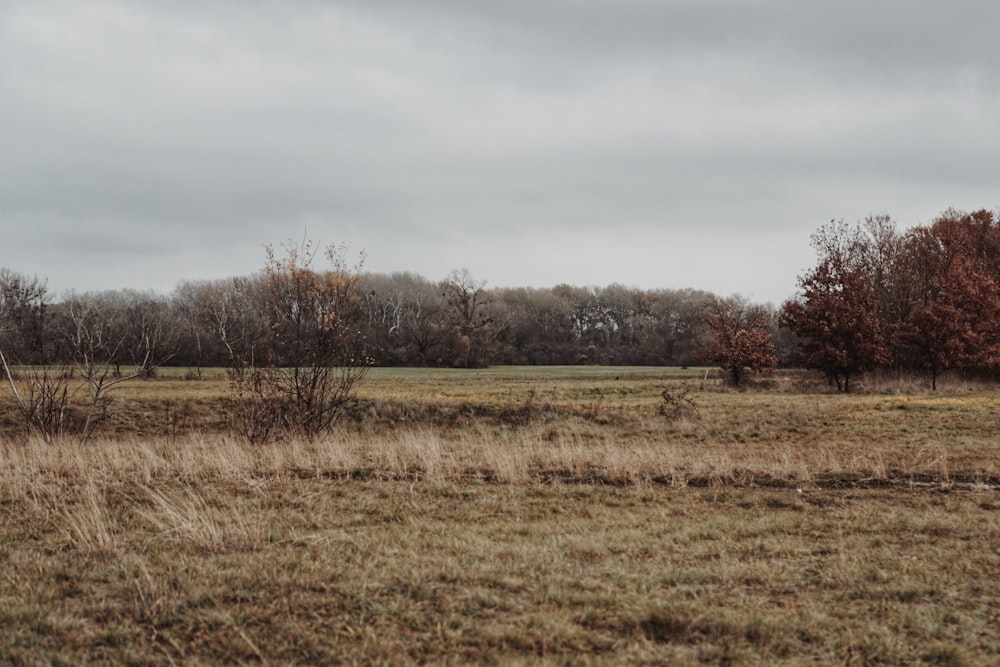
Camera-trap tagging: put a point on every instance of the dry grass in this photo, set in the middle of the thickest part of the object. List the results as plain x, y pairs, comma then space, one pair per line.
228, 566
497, 518
634, 452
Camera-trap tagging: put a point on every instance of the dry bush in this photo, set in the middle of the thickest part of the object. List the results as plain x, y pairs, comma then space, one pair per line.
256, 407
44, 402
678, 404
295, 375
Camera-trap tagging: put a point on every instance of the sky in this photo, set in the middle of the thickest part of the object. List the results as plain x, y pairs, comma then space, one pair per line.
652, 143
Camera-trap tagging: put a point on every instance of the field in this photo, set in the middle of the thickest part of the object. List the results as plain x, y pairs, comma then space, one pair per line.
512, 515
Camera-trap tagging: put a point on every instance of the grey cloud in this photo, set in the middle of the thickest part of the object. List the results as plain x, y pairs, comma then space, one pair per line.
420, 129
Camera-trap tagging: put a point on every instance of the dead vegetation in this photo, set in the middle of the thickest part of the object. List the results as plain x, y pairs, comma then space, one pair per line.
503, 517
153, 559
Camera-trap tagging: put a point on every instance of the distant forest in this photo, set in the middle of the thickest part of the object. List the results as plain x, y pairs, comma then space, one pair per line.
926, 299
404, 319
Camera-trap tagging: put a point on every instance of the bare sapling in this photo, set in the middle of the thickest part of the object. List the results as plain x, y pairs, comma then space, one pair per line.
106, 337
40, 394
295, 375
44, 402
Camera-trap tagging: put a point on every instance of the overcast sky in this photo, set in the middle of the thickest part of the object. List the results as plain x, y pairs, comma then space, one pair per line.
654, 143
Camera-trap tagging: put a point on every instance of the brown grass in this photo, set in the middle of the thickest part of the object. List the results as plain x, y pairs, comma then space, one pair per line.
496, 518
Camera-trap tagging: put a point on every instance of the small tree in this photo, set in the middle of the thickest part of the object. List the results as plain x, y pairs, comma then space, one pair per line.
742, 338
111, 331
99, 334
297, 377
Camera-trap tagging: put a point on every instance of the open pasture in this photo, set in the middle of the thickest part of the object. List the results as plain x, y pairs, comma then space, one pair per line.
513, 515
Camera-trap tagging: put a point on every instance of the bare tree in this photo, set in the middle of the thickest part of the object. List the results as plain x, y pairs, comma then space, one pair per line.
24, 317
107, 332
99, 334
234, 314
296, 375
471, 321
539, 329
407, 316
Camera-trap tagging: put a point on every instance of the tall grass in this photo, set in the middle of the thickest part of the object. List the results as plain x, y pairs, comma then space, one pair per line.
258, 559
638, 453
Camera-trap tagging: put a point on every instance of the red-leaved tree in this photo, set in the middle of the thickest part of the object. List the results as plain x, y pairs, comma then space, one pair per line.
954, 318
837, 312
742, 337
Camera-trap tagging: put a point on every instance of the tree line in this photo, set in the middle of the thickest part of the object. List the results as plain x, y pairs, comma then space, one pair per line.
926, 299
403, 319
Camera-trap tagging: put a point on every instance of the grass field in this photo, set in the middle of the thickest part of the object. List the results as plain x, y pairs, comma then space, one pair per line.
554, 516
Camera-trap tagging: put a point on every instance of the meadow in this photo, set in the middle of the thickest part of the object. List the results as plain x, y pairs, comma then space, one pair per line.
588, 515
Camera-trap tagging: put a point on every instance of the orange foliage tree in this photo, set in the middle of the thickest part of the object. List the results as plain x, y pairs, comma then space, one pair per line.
837, 313
954, 318
742, 337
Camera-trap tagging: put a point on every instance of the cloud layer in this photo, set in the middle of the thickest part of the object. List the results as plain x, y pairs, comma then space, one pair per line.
679, 144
